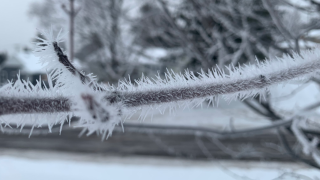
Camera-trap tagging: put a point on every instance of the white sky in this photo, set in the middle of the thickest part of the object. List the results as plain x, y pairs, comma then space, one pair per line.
17, 27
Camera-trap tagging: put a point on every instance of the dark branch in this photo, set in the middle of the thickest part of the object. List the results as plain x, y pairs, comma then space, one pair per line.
11, 105
63, 59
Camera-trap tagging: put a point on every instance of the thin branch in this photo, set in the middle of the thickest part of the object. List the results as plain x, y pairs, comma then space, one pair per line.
63, 59
203, 131
256, 109
277, 20
288, 148
184, 37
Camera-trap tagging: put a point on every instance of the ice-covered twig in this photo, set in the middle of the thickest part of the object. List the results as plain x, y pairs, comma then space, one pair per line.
71, 92
63, 59
238, 83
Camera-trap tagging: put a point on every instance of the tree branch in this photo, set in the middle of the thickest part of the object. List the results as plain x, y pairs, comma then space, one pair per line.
203, 90
9, 105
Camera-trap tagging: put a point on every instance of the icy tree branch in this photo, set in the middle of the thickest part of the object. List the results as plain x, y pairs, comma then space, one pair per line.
239, 83
102, 107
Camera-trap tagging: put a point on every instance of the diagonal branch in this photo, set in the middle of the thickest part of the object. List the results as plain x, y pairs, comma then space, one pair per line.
63, 59
203, 90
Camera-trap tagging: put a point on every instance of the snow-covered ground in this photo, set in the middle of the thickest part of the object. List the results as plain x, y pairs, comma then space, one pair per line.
37, 165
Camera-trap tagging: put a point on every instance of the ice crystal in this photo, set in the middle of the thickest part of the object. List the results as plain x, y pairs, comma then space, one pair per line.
100, 108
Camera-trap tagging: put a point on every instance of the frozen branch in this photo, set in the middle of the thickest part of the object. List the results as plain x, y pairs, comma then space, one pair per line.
102, 106
240, 82
63, 59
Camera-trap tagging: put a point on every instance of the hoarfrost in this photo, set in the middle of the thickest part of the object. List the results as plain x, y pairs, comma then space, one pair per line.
100, 107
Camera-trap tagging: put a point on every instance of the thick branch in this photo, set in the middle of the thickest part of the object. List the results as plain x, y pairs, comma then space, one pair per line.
277, 20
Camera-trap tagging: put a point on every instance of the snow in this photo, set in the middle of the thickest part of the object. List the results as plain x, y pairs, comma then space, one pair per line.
291, 97
31, 63
151, 55
34, 165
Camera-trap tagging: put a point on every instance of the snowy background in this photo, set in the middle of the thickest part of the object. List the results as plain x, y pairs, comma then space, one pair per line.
17, 35
35, 165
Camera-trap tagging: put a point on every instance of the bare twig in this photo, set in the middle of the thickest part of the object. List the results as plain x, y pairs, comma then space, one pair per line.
277, 20
288, 148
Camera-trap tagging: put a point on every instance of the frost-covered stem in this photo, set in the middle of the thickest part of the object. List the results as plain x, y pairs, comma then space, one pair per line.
101, 107
63, 59
166, 95
226, 85
10, 105
174, 94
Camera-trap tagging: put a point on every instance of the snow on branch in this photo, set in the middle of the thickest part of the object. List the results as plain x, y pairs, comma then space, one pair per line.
238, 83
101, 107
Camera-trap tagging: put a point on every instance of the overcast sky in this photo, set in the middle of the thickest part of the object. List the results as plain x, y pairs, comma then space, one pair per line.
17, 27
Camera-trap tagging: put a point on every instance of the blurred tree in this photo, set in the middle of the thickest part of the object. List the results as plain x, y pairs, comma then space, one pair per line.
3, 57
206, 33
72, 12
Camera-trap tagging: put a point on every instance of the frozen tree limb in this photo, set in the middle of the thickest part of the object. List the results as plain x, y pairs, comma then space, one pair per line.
63, 59
239, 83
69, 89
